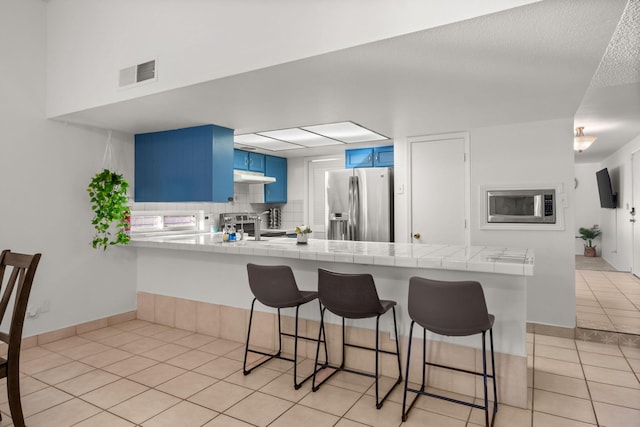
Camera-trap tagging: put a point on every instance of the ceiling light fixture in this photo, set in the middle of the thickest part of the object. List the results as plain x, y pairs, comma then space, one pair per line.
582, 142
309, 136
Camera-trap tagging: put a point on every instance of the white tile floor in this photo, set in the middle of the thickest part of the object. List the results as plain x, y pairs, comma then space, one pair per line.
142, 374
608, 301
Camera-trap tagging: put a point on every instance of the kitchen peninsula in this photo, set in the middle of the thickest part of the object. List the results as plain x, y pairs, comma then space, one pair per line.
199, 268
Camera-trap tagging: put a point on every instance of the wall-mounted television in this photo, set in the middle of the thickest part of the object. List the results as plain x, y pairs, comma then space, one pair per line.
608, 199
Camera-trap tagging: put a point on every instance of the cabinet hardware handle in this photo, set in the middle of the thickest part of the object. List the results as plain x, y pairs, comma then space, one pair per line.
416, 236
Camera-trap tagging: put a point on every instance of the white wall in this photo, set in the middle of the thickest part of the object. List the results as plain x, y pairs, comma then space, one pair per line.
201, 40
531, 153
617, 231
527, 154
44, 170
587, 202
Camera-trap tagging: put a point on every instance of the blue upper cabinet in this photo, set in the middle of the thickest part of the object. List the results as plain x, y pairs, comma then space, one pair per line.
359, 158
369, 157
276, 167
245, 160
184, 165
383, 156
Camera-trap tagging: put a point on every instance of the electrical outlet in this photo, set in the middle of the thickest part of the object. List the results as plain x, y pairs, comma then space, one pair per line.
33, 310
46, 306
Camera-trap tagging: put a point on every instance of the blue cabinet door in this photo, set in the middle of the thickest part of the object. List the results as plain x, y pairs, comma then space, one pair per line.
276, 167
383, 156
359, 158
241, 160
248, 161
256, 162
184, 165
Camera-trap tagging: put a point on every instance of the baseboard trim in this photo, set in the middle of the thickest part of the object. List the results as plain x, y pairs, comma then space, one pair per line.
81, 328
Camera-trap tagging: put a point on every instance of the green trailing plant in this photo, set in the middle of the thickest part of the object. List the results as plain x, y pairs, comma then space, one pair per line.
589, 234
108, 192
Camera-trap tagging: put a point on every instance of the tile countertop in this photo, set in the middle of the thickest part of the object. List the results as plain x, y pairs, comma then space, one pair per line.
449, 257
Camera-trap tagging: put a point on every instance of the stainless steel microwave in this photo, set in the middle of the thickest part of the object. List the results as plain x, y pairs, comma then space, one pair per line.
521, 206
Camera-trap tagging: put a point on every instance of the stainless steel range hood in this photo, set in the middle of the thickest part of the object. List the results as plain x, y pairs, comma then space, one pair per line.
251, 177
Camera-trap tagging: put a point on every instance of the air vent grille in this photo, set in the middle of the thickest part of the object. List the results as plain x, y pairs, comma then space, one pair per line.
137, 74
146, 71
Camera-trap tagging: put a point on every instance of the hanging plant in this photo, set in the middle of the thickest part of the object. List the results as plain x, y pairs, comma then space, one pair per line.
108, 192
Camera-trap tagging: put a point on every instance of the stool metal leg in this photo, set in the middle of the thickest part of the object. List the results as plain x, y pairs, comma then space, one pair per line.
493, 371
278, 353
341, 367
406, 378
484, 378
378, 403
246, 347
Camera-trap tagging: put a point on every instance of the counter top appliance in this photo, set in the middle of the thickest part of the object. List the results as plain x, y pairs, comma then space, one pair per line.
247, 221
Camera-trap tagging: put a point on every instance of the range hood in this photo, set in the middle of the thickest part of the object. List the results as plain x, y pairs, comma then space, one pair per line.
251, 177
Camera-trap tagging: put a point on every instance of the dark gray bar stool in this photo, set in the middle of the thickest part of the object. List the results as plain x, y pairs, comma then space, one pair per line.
275, 286
354, 296
452, 309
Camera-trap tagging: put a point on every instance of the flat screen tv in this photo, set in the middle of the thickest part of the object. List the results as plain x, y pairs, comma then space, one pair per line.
608, 199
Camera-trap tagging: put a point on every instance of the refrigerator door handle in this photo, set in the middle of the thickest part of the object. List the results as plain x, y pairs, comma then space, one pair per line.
350, 212
355, 209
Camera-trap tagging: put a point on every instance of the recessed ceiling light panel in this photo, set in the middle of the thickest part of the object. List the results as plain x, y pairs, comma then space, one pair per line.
347, 132
300, 137
250, 139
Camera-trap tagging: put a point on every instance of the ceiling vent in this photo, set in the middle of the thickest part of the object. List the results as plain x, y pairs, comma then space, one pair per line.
137, 74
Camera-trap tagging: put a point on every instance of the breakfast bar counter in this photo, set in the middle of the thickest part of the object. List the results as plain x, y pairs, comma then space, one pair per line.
198, 267
449, 257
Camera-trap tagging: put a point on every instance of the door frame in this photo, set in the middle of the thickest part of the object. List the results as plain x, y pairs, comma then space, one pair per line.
467, 178
635, 202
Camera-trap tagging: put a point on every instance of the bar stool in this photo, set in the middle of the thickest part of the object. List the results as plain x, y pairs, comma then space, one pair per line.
451, 309
275, 286
354, 296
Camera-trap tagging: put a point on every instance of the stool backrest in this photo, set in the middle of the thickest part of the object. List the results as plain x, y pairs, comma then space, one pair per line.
353, 296
273, 285
448, 308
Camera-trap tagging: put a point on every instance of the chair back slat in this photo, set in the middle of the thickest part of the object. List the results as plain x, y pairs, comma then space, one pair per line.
23, 268
448, 308
353, 296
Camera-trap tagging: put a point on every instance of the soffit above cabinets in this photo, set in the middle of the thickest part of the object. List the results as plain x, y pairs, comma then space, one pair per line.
309, 137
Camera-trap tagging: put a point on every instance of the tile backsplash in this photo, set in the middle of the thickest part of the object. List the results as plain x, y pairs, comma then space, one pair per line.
245, 200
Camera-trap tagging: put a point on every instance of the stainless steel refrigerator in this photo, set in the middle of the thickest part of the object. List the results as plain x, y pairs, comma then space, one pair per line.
359, 204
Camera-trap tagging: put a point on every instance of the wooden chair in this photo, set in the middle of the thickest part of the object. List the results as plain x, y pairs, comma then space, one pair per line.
23, 268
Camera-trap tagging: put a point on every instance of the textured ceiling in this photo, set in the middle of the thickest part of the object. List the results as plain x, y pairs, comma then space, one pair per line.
610, 109
621, 62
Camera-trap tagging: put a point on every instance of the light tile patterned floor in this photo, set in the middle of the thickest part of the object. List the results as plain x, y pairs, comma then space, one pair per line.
608, 301
170, 377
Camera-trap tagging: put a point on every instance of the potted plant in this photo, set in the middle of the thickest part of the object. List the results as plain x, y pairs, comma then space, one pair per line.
108, 192
588, 235
302, 234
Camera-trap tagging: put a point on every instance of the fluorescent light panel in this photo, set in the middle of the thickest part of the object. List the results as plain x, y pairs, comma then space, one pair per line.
301, 137
347, 132
250, 139
309, 136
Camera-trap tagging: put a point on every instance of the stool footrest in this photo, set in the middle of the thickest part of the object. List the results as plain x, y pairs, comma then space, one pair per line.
458, 369
370, 348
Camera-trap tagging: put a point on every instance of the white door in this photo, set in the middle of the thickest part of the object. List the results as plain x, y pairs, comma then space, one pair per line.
635, 217
438, 190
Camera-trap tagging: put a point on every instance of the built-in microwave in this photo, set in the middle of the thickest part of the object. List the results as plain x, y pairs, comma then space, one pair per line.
521, 206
